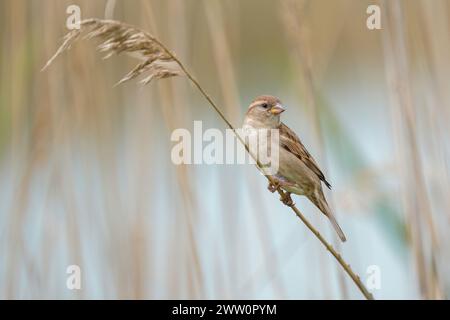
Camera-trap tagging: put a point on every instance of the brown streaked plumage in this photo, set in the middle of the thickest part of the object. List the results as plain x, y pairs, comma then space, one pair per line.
298, 172
291, 142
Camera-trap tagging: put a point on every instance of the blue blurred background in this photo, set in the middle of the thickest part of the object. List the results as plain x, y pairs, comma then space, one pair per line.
86, 177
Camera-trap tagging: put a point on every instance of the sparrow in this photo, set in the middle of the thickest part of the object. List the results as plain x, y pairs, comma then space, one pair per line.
298, 172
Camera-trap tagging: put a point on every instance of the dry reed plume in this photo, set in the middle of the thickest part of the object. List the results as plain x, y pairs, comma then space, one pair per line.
119, 38
159, 63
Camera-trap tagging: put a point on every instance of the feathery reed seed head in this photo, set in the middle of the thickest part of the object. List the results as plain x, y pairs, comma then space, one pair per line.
117, 38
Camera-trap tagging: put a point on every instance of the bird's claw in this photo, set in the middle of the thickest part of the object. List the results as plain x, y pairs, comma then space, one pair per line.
287, 200
273, 186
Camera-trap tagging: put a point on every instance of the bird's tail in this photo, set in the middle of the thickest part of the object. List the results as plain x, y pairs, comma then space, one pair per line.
321, 203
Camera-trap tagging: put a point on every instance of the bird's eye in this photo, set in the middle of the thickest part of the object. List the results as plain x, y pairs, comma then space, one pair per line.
265, 105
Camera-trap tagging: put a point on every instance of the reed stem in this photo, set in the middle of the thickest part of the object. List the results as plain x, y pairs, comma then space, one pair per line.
356, 279
113, 44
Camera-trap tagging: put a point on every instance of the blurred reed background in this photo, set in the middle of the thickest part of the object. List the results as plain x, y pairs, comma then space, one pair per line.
86, 176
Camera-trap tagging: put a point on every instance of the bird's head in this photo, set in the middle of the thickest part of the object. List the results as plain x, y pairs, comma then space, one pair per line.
265, 112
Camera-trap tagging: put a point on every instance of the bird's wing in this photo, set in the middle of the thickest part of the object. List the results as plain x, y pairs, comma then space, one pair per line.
291, 142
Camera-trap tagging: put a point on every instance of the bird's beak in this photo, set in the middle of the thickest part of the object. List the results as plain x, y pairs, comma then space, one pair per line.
277, 109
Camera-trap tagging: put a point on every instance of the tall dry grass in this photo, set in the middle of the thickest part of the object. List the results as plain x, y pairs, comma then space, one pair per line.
160, 63
77, 186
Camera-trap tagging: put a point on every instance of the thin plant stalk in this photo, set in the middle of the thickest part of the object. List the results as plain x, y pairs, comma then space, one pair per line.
356, 279
136, 41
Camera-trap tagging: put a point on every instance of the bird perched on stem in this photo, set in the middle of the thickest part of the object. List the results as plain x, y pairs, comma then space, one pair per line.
298, 172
